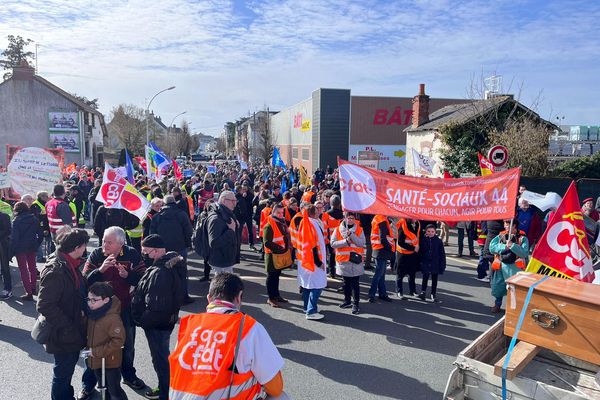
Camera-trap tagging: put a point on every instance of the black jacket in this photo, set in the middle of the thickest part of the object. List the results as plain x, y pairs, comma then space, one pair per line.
26, 233
222, 241
107, 217
160, 293
243, 208
61, 302
433, 255
173, 226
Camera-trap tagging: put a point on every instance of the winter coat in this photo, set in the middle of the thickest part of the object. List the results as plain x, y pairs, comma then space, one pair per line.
338, 240
107, 217
106, 337
174, 227
507, 270
61, 302
432, 255
222, 241
160, 293
243, 208
26, 233
269, 244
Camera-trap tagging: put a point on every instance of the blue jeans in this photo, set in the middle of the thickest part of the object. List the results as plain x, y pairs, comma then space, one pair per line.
483, 265
311, 297
378, 281
62, 372
89, 381
158, 341
498, 301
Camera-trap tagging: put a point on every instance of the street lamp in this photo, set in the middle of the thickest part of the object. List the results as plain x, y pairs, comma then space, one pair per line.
148, 112
169, 129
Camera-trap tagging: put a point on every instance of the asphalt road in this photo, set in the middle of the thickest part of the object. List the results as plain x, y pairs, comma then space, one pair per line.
399, 350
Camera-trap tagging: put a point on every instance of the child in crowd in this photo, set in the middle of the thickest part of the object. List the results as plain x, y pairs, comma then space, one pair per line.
105, 337
433, 261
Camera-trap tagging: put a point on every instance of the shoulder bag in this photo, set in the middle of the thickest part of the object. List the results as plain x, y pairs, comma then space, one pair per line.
281, 261
41, 330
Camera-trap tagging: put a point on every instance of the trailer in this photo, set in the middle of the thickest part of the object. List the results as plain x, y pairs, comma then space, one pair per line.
542, 375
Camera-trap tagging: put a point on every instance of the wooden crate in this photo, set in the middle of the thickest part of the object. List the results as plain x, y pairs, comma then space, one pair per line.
563, 315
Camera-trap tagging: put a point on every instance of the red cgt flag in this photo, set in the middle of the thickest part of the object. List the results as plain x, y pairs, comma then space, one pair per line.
177, 171
564, 251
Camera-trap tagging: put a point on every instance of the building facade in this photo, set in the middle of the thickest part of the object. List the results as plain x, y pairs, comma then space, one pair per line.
36, 113
332, 123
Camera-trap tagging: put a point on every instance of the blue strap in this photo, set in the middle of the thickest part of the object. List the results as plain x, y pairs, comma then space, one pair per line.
513, 341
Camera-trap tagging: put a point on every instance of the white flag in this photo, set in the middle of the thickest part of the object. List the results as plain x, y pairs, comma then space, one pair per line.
422, 164
543, 202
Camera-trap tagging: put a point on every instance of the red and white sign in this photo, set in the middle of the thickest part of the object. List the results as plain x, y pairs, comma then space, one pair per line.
498, 156
365, 190
117, 192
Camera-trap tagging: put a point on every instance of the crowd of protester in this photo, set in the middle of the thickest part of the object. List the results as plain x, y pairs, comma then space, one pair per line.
137, 276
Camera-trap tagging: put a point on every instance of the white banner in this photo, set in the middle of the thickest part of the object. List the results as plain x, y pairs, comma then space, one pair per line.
543, 202
32, 170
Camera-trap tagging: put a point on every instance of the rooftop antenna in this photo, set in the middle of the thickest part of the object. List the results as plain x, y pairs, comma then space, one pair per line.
493, 86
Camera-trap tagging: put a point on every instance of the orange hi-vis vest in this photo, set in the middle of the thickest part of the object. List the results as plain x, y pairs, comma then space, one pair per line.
202, 363
54, 221
519, 262
264, 214
411, 237
190, 207
278, 238
307, 240
375, 234
294, 225
329, 224
342, 254
307, 196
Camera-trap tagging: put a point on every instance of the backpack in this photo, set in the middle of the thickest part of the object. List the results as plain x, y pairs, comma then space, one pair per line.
138, 301
200, 237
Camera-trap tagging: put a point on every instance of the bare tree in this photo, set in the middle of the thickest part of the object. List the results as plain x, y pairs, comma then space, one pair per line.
182, 140
527, 142
127, 127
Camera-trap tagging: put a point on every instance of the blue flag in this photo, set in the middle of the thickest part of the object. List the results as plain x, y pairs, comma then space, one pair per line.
277, 161
129, 168
283, 185
292, 177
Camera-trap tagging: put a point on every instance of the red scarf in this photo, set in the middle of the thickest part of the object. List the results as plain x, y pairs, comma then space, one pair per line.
73, 264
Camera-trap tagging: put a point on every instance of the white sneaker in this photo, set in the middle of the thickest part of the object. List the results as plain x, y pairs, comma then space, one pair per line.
315, 316
484, 279
5, 295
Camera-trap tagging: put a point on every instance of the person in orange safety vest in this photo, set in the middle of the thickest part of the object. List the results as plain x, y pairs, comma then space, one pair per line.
407, 255
224, 353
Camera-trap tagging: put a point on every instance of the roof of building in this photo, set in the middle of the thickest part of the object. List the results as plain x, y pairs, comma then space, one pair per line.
462, 113
64, 94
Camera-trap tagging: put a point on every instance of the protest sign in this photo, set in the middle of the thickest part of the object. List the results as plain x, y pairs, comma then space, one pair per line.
4, 182
188, 173
369, 191
33, 169
212, 169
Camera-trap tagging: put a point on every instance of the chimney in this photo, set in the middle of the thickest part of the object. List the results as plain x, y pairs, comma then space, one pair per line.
420, 113
23, 71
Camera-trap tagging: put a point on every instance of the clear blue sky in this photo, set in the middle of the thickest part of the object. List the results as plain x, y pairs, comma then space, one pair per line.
231, 57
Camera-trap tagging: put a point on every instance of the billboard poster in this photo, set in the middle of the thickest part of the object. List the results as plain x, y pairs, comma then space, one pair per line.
389, 155
67, 141
63, 121
33, 169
